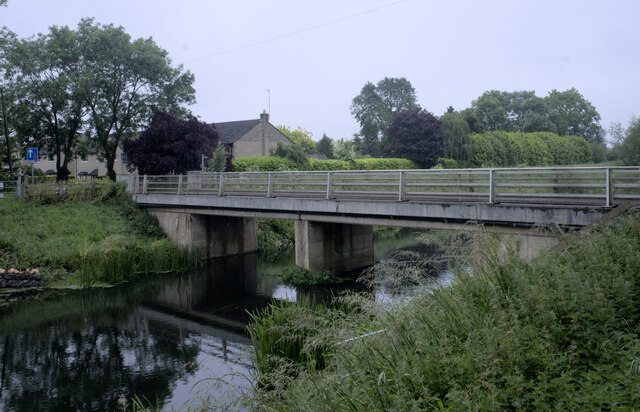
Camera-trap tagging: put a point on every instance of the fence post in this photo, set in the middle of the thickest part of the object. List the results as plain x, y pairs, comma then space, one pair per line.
179, 184
19, 186
329, 186
492, 191
144, 185
401, 190
136, 185
270, 186
609, 188
221, 186
24, 190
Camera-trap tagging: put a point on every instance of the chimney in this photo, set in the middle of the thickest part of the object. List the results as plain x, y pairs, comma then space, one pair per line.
264, 117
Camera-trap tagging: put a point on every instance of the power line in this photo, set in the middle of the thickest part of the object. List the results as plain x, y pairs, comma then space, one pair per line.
295, 33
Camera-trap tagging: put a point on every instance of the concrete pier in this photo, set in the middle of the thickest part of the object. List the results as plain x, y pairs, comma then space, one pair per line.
212, 236
335, 247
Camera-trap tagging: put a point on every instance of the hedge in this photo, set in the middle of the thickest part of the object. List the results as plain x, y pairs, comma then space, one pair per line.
508, 149
273, 163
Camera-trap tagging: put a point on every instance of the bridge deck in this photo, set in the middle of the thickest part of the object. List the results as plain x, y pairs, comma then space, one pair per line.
570, 197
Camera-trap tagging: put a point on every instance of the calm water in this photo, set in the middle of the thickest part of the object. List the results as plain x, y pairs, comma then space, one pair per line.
174, 339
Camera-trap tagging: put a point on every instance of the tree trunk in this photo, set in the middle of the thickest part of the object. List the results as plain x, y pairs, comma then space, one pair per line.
110, 172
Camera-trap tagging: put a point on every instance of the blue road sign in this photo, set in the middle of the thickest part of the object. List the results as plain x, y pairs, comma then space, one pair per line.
32, 154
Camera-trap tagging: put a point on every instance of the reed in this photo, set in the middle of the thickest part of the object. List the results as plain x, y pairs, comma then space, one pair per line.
557, 333
122, 264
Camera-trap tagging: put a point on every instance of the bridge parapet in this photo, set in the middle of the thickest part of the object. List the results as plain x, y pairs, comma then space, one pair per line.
587, 186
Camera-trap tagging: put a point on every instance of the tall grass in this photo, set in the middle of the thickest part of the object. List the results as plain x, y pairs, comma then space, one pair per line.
124, 263
558, 333
107, 238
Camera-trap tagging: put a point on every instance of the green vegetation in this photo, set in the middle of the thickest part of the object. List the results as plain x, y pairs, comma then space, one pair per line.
508, 149
299, 276
273, 163
105, 239
275, 237
558, 333
292, 338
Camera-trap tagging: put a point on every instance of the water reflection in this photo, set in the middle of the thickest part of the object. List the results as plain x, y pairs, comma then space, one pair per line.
171, 339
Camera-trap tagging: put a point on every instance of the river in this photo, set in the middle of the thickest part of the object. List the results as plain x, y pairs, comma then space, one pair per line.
175, 340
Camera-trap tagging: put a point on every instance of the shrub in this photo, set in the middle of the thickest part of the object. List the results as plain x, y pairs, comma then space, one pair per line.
274, 164
509, 149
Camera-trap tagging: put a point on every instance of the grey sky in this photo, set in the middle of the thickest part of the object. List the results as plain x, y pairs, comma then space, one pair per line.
450, 51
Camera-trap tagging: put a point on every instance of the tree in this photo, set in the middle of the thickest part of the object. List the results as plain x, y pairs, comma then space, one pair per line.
171, 145
293, 153
519, 111
300, 137
630, 150
416, 135
375, 106
219, 159
123, 82
572, 114
457, 140
325, 146
49, 106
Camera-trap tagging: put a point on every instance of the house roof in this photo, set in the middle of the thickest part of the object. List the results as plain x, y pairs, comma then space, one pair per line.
229, 132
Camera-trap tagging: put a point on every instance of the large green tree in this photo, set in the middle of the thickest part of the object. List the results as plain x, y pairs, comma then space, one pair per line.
572, 114
48, 106
416, 135
564, 113
124, 81
519, 111
374, 108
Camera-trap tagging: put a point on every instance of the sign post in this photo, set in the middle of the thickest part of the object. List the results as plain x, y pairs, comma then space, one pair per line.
32, 156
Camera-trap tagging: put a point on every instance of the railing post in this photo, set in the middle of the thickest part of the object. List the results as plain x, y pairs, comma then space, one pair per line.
221, 185
401, 190
329, 186
144, 184
19, 186
609, 188
179, 184
492, 191
270, 186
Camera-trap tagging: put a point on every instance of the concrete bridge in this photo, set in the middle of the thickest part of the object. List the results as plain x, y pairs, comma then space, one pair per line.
334, 211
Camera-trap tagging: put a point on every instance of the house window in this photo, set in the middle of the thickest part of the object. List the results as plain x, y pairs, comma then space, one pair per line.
125, 158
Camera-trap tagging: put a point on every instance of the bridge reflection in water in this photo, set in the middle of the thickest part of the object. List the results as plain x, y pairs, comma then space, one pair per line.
154, 338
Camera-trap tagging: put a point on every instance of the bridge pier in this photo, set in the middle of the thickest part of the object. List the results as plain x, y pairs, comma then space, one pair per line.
335, 247
212, 236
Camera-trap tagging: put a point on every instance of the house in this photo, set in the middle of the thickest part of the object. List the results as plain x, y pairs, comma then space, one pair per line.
89, 165
250, 137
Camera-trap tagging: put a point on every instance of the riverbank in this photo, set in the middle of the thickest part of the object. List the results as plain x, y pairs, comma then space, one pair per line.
558, 333
103, 239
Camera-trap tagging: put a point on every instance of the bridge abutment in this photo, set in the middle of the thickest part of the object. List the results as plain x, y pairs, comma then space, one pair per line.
335, 247
212, 236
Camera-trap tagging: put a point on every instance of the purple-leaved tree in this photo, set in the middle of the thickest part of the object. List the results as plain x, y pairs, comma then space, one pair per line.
170, 145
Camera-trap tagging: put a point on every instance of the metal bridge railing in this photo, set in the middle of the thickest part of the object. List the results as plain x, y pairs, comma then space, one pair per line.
598, 186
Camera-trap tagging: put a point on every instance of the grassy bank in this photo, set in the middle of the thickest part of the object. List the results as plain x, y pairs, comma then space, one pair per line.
105, 238
558, 333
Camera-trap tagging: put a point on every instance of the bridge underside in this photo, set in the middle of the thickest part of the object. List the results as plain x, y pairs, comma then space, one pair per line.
338, 235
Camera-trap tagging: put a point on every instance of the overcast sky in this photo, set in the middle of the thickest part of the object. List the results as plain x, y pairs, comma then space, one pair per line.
316, 56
